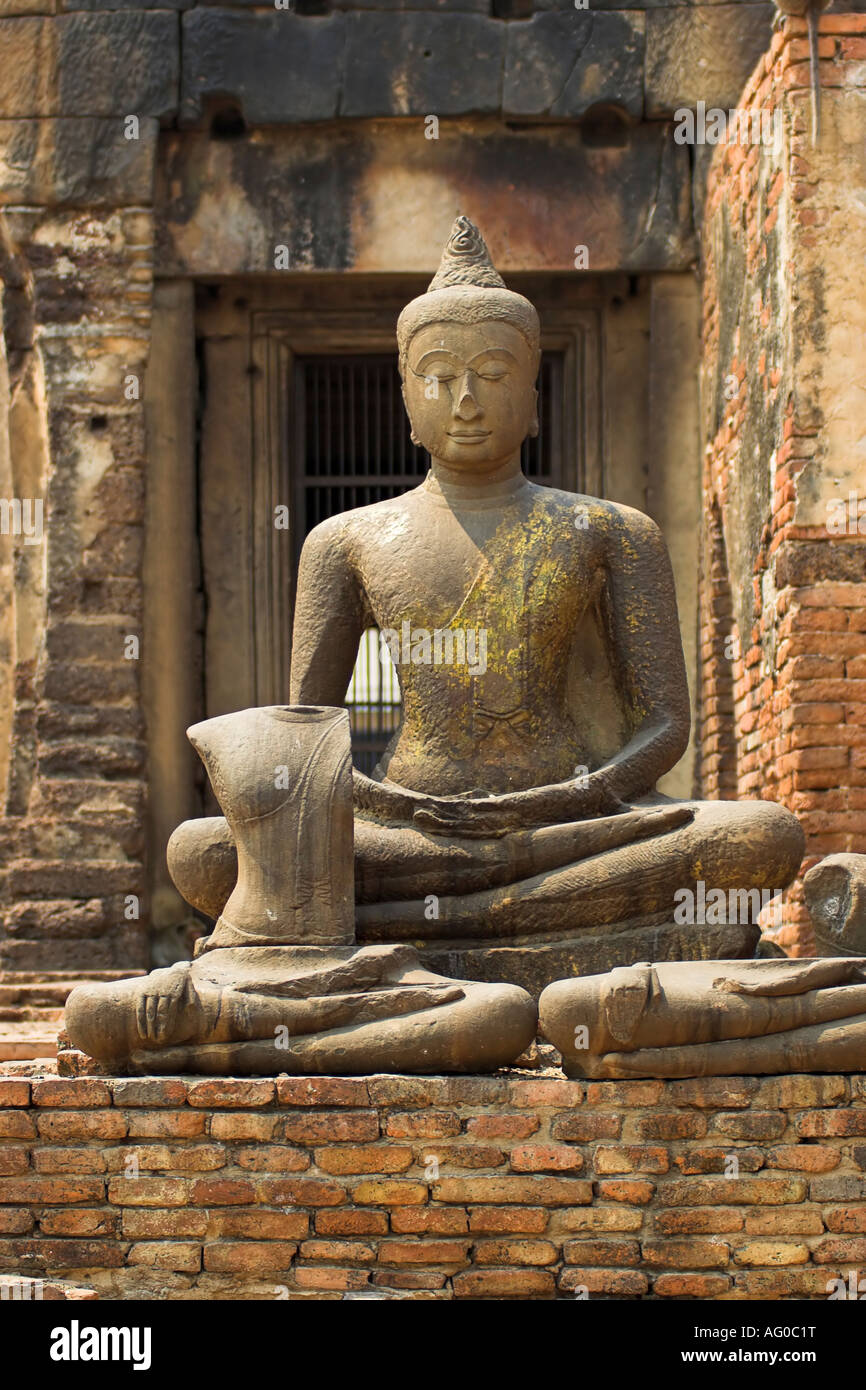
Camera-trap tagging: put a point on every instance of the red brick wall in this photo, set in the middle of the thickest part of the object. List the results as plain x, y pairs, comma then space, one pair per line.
442, 1187
783, 709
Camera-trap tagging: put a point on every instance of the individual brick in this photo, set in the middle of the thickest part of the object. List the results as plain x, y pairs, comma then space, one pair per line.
515, 1252
258, 1223
347, 1250
149, 1192
765, 1252
423, 1252
237, 1125
14, 1221
633, 1193
148, 1094
85, 1093
820, 1124
60, 1126
13, 1161
668, 1124
249, 1256
220, 1192
145, 1223
370, 1158
502, 1126
504, 1283
630, 1158
545, 1158
182, 1256
506, 1220
78, 1221
597, 1218
785, 1221
843, 1250
846, 1220
530, 1191
165, 1124
389, 1194
625, 1094
231, 1095
618, 1283
714, 1092
698, 1221
461, 1155
15, 1124
717, 1160
758, 1125
685, 1254
691, 1285
57, 1191
331, 1126
322, 1090
13, 1092
59, 1254
529, 1095
329, 1278
583, 1127
272, 1158
804, 1158
351, 1222
441, 1221
81, 1160
601, 1252
688, 1192
298, 1192
422, 1124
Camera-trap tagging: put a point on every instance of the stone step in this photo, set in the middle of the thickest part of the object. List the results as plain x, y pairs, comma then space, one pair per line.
22, 1041
30, 1013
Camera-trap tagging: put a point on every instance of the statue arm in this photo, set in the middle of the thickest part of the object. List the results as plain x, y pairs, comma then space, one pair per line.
643, 633
330, 618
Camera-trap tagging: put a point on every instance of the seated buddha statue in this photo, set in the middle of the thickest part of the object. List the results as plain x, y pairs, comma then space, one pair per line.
512, 828
512, 832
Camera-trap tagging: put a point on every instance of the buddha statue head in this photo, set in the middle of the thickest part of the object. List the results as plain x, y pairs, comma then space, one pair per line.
469, 354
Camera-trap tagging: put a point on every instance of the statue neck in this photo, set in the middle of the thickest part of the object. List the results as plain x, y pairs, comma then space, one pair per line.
459, 485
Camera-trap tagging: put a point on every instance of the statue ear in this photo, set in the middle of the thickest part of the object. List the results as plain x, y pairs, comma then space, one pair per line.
533, 428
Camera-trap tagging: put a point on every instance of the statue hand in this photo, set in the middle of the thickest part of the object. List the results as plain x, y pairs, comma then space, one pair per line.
165, 996
496, 815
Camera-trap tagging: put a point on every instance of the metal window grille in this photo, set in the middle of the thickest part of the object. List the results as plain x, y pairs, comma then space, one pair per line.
353, 448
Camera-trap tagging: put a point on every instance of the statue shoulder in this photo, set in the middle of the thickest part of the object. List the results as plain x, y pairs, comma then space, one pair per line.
603, 519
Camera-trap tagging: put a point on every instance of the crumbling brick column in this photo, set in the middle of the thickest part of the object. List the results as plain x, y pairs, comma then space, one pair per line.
783, 585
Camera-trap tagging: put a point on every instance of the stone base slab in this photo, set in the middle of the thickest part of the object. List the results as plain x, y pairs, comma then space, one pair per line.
498, 1187
535, 964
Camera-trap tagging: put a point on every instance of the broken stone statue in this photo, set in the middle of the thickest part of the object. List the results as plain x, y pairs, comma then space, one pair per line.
711, 1018
280, 985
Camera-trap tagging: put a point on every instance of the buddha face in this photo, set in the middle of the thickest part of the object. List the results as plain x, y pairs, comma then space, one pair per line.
470, 392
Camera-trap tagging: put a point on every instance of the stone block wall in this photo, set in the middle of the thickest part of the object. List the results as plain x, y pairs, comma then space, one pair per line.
437, 1187
783, 591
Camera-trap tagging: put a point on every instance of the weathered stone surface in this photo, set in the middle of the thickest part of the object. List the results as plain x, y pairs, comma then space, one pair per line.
421, 64
588, 953
372, 198
702, 53
278, 67
83, 160
564, 64
89, 65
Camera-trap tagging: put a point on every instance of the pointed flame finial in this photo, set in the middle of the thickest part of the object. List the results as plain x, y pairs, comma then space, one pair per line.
466, 260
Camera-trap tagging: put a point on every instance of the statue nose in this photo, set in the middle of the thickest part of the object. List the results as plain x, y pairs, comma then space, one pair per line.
467, 407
